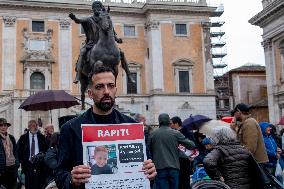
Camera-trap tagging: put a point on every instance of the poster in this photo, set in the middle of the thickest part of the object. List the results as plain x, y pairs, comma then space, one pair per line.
115, 154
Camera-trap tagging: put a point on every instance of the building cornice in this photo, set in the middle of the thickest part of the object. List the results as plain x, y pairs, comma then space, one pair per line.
270, 12
116, 8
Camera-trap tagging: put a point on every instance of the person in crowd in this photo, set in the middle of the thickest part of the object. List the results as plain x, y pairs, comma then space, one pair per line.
164, 144
200, 173
8, 157
48, 132
101, 157
185, 164
70, 171
249, 132
228, 161
147, 130
208, 143
50, 158
271, 146
28, 147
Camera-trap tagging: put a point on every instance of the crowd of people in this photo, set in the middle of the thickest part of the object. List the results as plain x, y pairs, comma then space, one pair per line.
237, 156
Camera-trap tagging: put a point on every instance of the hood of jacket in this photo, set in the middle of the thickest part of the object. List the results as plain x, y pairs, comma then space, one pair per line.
264, 126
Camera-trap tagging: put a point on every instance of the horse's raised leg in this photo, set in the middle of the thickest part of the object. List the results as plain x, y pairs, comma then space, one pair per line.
124, 65
84, 85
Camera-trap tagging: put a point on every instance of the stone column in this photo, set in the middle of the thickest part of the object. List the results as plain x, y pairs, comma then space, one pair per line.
155, 68
273, 106
207, 59
65, 55
16, 120
9, 53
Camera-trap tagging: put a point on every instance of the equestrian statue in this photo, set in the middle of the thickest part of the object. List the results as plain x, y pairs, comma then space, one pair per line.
100, 46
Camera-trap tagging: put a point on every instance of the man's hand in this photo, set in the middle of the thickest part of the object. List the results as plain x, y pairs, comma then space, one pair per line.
149, 169
72, 16
80, 174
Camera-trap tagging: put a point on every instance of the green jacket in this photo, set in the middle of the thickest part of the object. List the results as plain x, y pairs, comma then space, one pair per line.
164, 147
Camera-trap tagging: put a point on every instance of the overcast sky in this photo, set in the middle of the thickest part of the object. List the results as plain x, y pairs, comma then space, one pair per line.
243, 39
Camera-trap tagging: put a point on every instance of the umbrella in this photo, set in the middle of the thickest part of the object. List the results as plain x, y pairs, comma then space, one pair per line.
48, 100
227, 119
194, 122
207, 128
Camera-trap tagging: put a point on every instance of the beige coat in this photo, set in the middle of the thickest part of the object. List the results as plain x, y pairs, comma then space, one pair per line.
250, 137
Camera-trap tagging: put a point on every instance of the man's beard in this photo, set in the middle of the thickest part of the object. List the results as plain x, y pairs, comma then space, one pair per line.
105, 106
238, 119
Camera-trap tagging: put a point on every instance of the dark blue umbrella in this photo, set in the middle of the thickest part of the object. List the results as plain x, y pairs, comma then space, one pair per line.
194, 122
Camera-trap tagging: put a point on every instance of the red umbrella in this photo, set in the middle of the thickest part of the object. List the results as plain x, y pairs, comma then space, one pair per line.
48, 100
228, 119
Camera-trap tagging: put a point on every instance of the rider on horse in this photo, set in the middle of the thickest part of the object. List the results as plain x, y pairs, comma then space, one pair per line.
89, 25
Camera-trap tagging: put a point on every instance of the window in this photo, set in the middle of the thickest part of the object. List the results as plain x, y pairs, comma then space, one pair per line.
135, 73
181, 29
38, 26
183, 81
132, 87
183, 75
129, 31
37, 81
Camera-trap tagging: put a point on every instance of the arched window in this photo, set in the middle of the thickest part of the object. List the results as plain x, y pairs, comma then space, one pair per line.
37, 81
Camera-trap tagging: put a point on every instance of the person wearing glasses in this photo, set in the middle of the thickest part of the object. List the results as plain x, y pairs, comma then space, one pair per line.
8, 157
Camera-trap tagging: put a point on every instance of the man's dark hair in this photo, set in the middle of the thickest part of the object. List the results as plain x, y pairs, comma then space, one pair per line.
164, 119
177, 120
97, 70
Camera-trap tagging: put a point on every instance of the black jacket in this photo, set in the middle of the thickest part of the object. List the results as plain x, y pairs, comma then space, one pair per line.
23, 148
232, 163
70, 150
3, 155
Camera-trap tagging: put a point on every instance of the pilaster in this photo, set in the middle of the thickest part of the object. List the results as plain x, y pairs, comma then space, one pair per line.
271, 79
9, 53
155, 68
65, 54
207, 59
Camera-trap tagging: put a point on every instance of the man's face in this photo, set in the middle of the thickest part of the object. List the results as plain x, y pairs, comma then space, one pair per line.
174, 125
238, 116
49, 130
33, 127
3, 128
103, 91
101, 158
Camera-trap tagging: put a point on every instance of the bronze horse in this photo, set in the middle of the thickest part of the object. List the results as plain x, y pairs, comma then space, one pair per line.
105, 52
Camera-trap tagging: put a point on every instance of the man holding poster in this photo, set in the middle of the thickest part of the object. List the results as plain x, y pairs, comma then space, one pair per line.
71, 172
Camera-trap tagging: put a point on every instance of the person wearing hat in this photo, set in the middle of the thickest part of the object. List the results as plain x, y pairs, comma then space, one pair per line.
8, 157
249, 132
164, 144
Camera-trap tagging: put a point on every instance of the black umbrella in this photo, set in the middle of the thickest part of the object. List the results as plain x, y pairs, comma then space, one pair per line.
48, 100
194, 122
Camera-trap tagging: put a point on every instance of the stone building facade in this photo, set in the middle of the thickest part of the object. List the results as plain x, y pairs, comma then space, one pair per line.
247, 84
271, 20
166, 43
